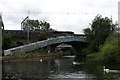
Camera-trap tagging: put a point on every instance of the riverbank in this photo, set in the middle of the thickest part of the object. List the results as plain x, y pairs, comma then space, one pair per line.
33, 58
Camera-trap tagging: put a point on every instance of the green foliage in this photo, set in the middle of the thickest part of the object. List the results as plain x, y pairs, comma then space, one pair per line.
7, 42
100, 29
32, 24
108, 48
110, 51
88, 33
45, 26
95, 57
36, 25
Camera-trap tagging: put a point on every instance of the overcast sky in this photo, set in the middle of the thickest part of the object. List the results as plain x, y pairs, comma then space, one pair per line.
63, 15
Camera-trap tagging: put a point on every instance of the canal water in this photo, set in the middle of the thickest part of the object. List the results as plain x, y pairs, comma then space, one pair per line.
59, 69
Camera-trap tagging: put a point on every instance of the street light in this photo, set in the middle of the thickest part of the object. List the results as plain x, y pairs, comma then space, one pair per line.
27, 27
28, 37
23, 22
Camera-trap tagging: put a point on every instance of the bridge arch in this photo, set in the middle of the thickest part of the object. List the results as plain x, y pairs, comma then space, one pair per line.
63, 49
77, 45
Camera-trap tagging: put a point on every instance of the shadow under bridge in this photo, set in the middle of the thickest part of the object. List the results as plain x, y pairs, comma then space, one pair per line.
77, 45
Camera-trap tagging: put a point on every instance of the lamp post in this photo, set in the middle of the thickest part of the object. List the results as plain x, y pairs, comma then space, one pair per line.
28, 33
28, 29
22, 23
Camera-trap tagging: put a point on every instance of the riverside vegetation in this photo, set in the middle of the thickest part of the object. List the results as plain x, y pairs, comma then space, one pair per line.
103, 37
109, 51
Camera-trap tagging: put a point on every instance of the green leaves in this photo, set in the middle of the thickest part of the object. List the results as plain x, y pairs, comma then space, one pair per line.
36, 25
44, 26
100, 29
7, 42
111, 49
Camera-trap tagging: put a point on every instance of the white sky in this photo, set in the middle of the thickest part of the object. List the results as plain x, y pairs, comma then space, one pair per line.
63, 15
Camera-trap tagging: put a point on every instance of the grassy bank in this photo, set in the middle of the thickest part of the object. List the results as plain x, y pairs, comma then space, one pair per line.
23, 59
32, 56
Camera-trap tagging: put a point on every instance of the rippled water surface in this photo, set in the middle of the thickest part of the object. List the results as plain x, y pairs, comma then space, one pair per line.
56, 69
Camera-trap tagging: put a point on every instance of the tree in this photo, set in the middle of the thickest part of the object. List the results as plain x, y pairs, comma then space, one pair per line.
99, 31
111, 50
45, 26
88, 34
36, 25
32, 24
7, 42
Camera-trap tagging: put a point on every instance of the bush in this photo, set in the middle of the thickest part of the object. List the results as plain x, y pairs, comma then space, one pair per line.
109, 51
7, 42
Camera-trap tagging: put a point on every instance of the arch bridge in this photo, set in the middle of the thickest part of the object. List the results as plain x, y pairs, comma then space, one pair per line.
44, 43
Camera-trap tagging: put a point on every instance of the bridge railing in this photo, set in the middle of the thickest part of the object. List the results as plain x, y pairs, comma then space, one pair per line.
40, 44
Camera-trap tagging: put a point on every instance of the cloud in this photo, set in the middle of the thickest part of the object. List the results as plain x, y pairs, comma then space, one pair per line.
72, 15
16, 10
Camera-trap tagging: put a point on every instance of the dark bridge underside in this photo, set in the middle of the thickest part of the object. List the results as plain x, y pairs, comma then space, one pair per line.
78, 46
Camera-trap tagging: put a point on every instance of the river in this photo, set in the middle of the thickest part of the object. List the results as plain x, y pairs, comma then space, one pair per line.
59, 69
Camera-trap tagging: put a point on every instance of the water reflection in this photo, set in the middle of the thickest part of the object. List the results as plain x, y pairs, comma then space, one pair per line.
57, 69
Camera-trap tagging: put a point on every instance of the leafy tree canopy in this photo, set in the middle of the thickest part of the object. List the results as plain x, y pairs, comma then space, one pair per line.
36, 25
98, 32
